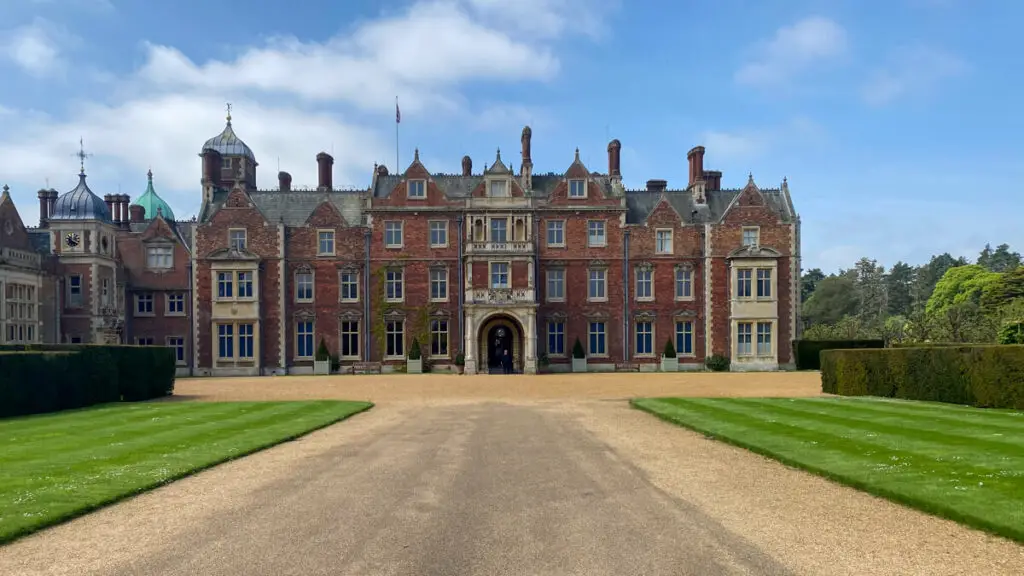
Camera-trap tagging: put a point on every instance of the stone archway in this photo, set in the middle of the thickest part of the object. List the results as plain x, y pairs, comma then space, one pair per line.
496, 333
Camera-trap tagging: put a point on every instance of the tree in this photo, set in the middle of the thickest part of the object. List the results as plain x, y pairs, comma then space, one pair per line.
999, 260
871, 297
809, 281
899, 284
834, 297
929, 274
960, 285
1008, 288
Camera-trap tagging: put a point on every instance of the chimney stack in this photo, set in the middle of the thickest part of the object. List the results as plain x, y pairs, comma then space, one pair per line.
51, 199
713, 178
657, 185
109, 199
211, 166
125, 216
696, 158
614, 157
467, 166
44, 207
138, 213
325, 168
284, 181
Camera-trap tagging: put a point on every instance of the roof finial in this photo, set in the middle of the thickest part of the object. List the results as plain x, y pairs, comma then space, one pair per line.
81, 156
499, 155
750, 177
577, 154
416, 155
149, 174
229, 112
7, 189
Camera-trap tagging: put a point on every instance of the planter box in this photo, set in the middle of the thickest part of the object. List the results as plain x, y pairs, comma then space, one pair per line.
414, 366
579, 364
669, 364
321, 367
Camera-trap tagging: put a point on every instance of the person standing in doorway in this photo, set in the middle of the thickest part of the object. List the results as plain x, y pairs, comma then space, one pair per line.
506, 362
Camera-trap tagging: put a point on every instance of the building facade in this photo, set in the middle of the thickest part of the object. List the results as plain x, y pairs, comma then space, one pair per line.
480, 263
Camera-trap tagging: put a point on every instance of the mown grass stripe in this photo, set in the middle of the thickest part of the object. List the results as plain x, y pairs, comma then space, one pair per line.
251, 414
982, 414
1004, 427
928, 486
920, 428
32, 496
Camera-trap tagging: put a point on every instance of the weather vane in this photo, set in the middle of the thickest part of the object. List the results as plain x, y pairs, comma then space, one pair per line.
229, 111
81, 155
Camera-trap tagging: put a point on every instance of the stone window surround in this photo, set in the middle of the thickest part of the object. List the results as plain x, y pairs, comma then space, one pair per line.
167, 304
649, 319
430, 233
430, 282
319, 241
754, 356
568, 190
671, 241
421, 184
312, 279
348, 270
754, 266
637, 270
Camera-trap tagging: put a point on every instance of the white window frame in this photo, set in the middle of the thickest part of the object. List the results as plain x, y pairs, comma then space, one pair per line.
238, 239
683, 276
744, 286
160, 257
555, 227
342, 284
436, 325
251, 282
508, 275
392, 227
391, 329
250, 336
753, 230
311, 334
299, 286
577, 188
142, 297
597, 275
591, 332
595, 226
442, 229
170, 297
502, 185
680, 330
759, 335
763, 283
552, 331
170, 342
745, 337
666, 246
442, 280
643, 276
504, 229
651, 352
390, 280
419, 186
325, 236
554, 276
349, 336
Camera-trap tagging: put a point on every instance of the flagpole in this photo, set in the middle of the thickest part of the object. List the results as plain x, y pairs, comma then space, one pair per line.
398, 120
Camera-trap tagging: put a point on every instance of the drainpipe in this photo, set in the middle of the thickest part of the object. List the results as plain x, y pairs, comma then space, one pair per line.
461, 288
537, 276
261, 277
191, 325
366, 294
625, 296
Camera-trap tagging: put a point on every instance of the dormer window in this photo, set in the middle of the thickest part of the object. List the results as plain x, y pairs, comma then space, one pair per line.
236, 239
417, 188
499, 188
751, 236
577, 188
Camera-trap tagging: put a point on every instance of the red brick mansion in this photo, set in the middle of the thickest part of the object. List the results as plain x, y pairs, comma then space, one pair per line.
486, 261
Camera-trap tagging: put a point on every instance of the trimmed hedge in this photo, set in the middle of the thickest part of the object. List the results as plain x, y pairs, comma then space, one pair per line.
52, 377
990, 376
808, 352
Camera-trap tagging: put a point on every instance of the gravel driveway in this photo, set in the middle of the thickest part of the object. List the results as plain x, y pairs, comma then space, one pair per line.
503, 475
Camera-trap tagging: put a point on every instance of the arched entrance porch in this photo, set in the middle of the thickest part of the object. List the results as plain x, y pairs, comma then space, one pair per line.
498, 333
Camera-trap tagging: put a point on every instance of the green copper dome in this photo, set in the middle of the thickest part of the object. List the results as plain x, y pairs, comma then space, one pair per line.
153, 203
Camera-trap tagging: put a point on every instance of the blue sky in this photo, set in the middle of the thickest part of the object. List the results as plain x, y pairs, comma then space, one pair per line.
895, 122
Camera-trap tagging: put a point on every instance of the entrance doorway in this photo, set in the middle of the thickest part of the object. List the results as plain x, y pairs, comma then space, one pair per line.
499, 340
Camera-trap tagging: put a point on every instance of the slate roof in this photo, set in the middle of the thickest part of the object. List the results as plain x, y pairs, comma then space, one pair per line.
229, 144
640, 203
40, 240
295, 206
80, 204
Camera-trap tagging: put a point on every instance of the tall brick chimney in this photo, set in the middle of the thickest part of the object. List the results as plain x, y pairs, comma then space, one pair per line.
713, 179
138, 213
114, 216
211, 166
44, 207
284, 182
526, 170
696, 158
325, 170
657, 185
51, 199
125, 210
614, 157
467, 166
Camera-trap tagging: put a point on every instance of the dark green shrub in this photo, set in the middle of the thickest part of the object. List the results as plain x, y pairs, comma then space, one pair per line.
717, 363
322, 353
988, 376
670, 350
1012, 333
577, 350
460, 359
335, 362
807, 352
414, 350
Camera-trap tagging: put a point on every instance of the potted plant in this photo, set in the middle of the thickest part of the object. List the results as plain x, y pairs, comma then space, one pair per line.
414, 362
579, 357
322, 359
460, 362
669, 360
543, 361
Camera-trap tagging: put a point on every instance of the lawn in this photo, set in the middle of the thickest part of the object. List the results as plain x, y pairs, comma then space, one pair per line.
965, 464
57, 466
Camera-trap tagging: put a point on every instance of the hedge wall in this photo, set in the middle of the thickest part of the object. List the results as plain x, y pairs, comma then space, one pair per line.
50, 377
984, 376
808, 352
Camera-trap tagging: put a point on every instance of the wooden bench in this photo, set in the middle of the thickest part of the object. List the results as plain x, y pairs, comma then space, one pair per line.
627, 367
366, 368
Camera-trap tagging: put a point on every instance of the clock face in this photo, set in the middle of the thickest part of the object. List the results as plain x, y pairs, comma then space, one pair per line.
72, 239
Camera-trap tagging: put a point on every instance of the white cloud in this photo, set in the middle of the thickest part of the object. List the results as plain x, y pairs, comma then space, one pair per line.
911, 69
794, 49
753, 142
33, 48
292, 99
